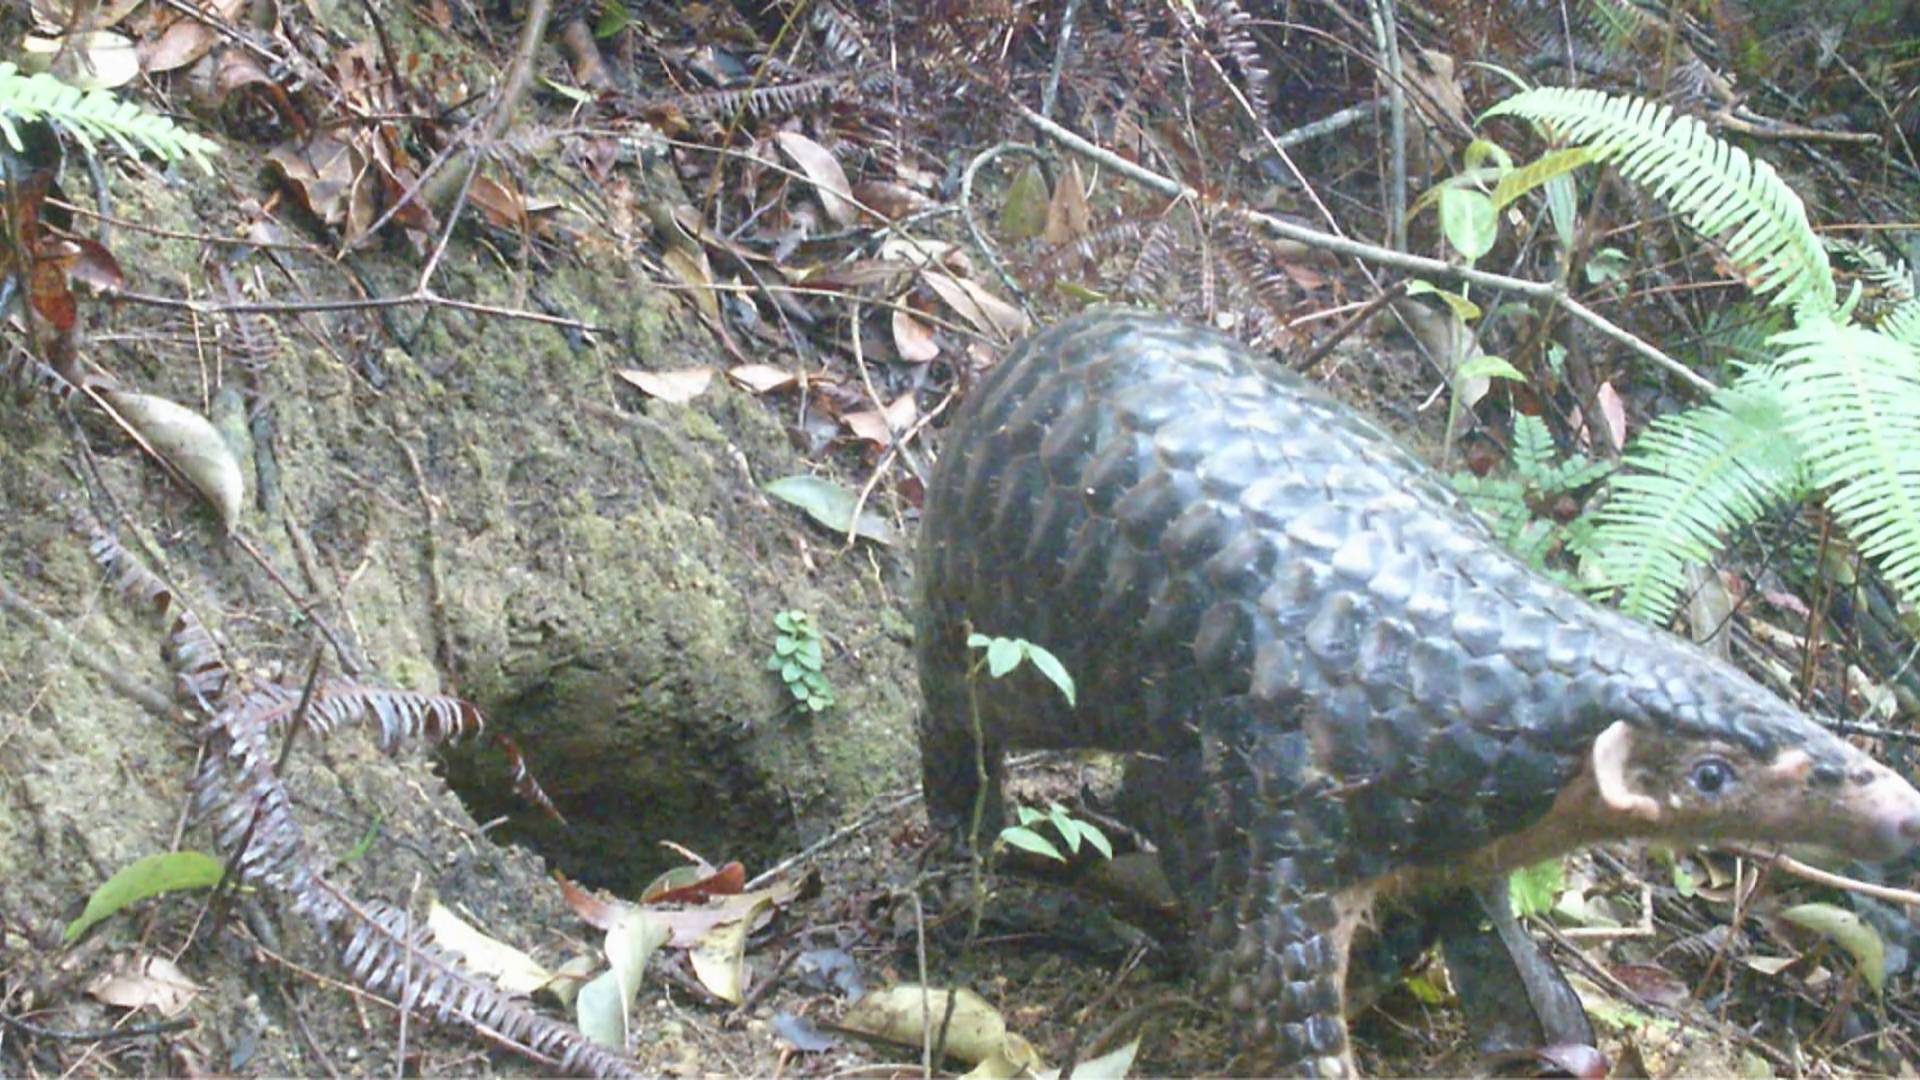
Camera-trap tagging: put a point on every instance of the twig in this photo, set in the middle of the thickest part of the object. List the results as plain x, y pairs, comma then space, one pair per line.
1339, 245
135, 1031
1818, 876
973, 226
860, 824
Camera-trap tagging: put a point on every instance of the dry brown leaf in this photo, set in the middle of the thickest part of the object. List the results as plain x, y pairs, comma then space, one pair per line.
988, 313
881, 428
913, 338
720, 957
836, 196
186, 38
92, 60
762, 378
190, 444
891, 201
60, 16
694, 269
675, 387
510, 968
145, 982
1068, 216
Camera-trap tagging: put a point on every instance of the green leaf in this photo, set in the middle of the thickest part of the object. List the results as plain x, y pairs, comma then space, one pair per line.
1028, 840
1003, 655
146, 877
1554, 163
978, 641
1469, 222
831, 505
1064, 823
1534, 889
1092, 834
1463, 309
785, 620
1028, 815
1848, 931
1487, 367
1050, 666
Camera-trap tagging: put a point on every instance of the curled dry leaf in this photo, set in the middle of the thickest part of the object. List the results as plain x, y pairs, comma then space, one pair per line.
190, 444
913, 338
675, 387
187, 37
975, 1030
720, 957
836, 195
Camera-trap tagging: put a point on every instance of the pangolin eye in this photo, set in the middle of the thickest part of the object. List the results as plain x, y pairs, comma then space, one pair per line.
1710, 776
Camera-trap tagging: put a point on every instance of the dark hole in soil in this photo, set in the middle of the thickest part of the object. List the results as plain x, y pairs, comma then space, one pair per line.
627, 774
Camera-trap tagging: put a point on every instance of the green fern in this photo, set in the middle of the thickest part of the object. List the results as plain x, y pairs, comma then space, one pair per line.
1854, 405
96, 115
1719, 189
1690, 480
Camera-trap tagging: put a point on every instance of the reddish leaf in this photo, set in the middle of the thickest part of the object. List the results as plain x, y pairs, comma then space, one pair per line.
680, 886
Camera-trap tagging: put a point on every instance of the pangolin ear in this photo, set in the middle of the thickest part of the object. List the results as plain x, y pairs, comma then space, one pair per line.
1611, 752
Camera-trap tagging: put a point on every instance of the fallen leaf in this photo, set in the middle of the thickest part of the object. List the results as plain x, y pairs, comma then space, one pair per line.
674, 387
693, 268
1068, 216
881, 428
975, 1030
511, 969
91, 60
691, 884
720, 958
913, 339
148, 876
836, 196
1615, 412
190, 444
604, 1007
145, 982
831, 505
1850, 932
762, 378
988, 313
1025, 211
890, 200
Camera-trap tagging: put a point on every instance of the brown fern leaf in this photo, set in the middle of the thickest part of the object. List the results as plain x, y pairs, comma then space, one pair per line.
240, 795
200, 673
760, 101
389, 954
841, 34
413, 714
34, 375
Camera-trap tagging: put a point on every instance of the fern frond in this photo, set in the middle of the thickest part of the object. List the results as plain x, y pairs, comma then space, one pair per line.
1690, 480
1853, 398
96, 115
1903, 324
1723, 192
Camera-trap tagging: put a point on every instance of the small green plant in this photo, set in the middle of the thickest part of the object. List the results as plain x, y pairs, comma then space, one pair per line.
798, 657
1071, 829
1002, 655
1513, 499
